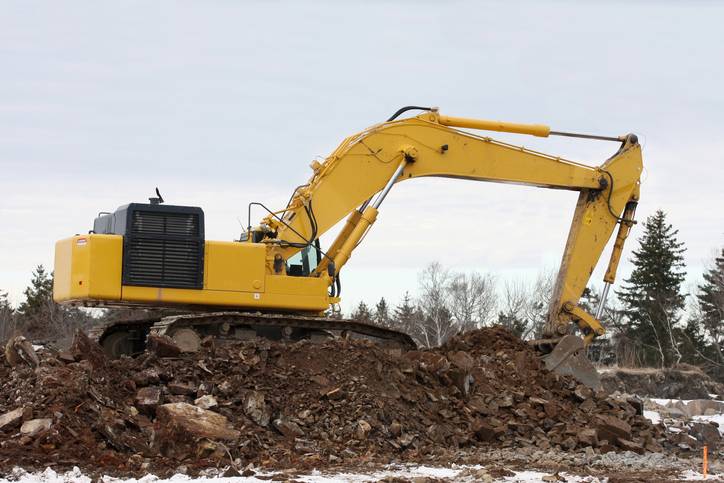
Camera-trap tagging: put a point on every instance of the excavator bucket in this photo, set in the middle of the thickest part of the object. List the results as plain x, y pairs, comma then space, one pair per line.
568, 358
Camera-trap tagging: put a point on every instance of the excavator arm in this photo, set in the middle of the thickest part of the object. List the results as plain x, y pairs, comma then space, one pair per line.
354, 180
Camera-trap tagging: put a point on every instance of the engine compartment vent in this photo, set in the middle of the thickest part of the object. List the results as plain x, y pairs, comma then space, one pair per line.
163, 245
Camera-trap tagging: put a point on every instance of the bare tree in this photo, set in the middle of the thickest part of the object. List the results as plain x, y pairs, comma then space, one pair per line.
472, 299
450, 303
539, 299
437, 324
527, 305
513, 308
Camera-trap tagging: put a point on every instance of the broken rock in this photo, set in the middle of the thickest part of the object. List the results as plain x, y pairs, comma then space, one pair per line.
83, 348
147, 398
256, 409
180, 389
612, 429
206, 402
288, 428
582, 392
11, 419
487, 432
588, 437
196, 421
163, 346
362, 430
19, 351
462, 360
630, 446
35, 427
706, 433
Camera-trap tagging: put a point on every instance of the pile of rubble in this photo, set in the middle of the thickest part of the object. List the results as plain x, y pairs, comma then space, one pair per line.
689, 422
688, 382
301, 405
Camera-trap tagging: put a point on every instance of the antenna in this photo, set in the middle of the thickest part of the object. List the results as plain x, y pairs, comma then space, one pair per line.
158, 199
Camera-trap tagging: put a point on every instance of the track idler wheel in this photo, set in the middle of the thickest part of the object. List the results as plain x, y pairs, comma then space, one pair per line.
118, 344
187, 339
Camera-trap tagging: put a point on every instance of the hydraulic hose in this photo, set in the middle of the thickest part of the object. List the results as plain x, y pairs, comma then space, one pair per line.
403, 110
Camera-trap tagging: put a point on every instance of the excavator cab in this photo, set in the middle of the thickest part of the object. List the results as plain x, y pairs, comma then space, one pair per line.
304, 262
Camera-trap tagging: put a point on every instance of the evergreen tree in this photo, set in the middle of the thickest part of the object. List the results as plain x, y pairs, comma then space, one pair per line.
382, 313
40, 318
512, 323
362, 313
4, 302
7, 317
652, 295
705, 329
405, 313
39, 295
711, 297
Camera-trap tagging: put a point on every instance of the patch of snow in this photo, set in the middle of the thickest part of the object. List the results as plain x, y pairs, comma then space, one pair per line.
399, 471
664, 402
537, 477
690, 475
48, 476
653, 416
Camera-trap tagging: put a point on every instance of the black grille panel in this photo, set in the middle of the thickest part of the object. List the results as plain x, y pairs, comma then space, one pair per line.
164, 247
168, 224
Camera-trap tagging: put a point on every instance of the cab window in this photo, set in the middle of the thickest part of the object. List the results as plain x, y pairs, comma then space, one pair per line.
304, 262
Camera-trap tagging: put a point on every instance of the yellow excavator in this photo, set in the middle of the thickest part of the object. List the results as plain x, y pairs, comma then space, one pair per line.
276, 281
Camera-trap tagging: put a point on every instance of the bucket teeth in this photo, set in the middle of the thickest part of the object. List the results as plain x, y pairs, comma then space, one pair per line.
568, 358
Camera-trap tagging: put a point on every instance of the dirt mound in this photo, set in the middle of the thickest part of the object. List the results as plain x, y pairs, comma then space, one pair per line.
300, 405
689, 383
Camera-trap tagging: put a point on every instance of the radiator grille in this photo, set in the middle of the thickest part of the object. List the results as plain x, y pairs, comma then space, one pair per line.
163, 249
167, 224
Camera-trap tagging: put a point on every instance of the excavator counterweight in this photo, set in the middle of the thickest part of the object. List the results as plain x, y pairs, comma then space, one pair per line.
277, 281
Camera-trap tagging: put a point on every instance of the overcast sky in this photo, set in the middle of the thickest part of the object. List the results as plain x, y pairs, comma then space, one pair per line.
222, 103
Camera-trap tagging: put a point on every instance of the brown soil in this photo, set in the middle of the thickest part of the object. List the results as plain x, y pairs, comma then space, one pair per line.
306, 405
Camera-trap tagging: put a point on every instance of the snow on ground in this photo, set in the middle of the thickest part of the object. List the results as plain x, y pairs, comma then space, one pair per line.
454, 473
655, 416
664, 402
693, 475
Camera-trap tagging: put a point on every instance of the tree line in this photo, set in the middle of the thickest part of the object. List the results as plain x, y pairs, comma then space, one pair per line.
38, 317
646, 318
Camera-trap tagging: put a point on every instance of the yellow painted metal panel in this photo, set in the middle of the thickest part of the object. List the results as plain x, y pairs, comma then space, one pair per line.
234, 266
282, 293
105, 266
62, 270
88, 267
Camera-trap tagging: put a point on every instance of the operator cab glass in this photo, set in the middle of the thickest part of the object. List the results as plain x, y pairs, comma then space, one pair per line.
304, 262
